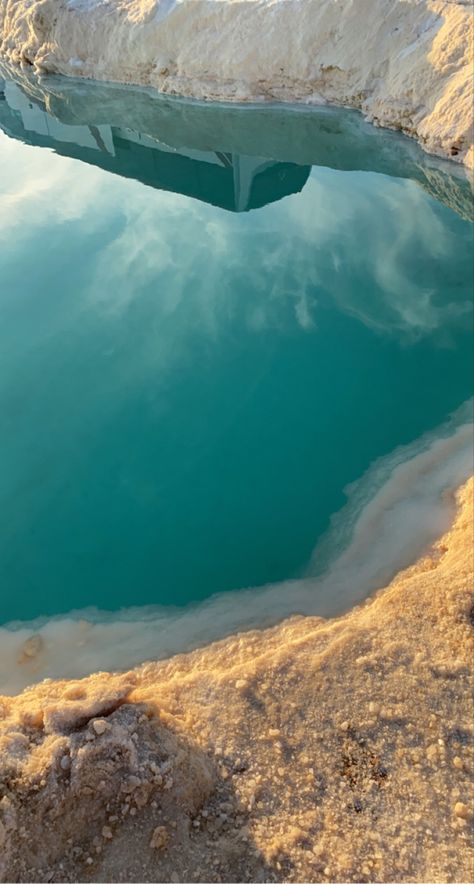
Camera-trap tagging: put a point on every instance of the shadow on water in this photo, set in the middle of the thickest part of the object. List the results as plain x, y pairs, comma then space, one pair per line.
237, 157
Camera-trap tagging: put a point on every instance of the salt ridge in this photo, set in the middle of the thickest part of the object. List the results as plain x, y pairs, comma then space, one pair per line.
406, 65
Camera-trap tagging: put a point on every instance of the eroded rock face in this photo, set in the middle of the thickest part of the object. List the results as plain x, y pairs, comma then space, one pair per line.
76, 767
406, 65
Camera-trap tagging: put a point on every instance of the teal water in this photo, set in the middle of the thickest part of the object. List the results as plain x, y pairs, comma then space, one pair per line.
212, 319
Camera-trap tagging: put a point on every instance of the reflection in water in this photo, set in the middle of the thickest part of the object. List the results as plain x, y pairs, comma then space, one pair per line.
238, 158
186, 392
223, 178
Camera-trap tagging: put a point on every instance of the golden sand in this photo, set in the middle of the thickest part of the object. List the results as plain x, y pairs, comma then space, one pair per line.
318, 750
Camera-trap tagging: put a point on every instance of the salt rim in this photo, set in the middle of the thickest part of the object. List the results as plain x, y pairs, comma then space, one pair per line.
394, 513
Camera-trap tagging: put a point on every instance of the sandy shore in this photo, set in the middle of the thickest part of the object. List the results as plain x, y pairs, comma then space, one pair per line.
319, 750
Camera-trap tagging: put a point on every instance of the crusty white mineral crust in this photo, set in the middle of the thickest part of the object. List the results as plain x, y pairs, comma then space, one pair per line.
407, 64
319, 750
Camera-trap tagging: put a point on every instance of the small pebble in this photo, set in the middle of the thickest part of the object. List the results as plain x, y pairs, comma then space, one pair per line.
159, 838
100, 726
461, 810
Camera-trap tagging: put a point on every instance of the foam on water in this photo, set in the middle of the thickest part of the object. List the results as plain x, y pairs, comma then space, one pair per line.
393, 514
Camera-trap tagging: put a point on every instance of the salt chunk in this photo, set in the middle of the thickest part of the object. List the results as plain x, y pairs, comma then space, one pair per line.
100, 726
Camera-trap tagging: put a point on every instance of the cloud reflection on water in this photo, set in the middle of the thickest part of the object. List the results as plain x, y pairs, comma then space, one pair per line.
291, 259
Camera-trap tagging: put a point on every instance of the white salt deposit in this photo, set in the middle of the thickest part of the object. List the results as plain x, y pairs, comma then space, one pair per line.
394, 513
407, 64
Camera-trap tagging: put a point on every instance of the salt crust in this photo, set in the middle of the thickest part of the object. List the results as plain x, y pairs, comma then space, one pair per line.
403, 500
407, 64
335, 750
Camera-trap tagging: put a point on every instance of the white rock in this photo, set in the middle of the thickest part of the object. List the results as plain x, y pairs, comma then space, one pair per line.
406, 65
100, 726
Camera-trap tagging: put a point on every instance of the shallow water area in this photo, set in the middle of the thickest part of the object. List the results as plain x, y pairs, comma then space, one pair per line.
217, 326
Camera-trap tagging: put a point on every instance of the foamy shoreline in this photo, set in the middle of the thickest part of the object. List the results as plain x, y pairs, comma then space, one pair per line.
316, 750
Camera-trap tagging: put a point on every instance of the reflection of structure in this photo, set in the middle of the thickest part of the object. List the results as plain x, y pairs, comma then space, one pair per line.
230, 180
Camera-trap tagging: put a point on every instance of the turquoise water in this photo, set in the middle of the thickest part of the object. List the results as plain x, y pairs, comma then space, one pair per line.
212, 320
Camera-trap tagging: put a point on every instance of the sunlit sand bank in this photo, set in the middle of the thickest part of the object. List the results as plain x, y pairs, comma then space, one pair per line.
316, 750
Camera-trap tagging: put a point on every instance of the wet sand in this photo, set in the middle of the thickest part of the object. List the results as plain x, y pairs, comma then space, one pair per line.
318, 750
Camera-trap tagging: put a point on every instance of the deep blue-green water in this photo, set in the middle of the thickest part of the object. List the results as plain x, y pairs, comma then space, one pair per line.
212, 320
